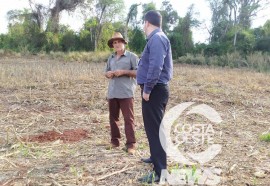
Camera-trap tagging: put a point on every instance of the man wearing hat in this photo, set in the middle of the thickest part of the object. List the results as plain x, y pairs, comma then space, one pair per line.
121, 70
153, 75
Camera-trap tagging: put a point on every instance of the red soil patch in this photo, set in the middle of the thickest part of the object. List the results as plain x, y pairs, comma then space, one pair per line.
71, 135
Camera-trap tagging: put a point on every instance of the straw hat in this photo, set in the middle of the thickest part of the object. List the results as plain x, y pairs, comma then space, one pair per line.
116, 36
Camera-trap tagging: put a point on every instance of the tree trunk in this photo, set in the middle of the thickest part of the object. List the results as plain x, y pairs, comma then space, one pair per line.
60, 5
234, 40
99, 27
133, 7
235, 26
54, 20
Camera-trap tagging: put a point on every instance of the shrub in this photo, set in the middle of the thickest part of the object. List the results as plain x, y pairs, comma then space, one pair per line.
259, 61
95, 57
265, 137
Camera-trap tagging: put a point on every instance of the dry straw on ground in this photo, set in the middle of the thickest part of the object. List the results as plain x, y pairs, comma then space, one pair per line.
38, 96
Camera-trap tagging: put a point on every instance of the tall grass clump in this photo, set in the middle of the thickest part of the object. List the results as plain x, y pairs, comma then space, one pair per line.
197, 59
9, 53
265, 137
100, 56
257, 61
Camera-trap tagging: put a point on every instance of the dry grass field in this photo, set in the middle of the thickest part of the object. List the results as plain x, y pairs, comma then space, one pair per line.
38, 96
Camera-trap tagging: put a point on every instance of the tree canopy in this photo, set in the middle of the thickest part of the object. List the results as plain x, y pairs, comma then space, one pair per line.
38, 28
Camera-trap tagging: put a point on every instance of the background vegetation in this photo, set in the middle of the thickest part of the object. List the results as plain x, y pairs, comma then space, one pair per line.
232, 41
45, 91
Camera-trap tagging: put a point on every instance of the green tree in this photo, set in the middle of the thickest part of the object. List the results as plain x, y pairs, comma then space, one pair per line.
24, 31
262, 35
147, 7
106, 35
52, 42
258, 33
169, 16
131, 17
69, 41
58, 6
247, 10
221, 21
176, 39
88, 34
137, 40
181, 37
86, 41
106, 12
266, 28
15, 39
263, 45
2, 40
231, 22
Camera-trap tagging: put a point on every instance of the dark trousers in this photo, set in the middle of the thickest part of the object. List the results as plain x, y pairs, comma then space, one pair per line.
126, 106
153, 112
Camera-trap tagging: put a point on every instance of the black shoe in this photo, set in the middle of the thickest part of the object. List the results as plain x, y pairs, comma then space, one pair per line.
147, 160
149, 178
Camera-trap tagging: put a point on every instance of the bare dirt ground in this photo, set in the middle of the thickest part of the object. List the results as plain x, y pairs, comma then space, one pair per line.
54, 124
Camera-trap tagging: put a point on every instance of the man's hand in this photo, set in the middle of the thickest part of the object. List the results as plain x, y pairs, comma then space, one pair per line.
146, 96
119, 73
109, 74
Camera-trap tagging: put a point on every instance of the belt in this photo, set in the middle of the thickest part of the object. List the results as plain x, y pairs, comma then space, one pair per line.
161, 84
158, 84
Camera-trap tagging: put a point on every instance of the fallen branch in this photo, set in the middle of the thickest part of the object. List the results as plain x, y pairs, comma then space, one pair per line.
2, 158
116, 172
15, 134
29, 125
54, 182
10, 154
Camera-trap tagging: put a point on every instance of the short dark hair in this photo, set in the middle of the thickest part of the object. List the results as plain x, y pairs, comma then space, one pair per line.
153, 17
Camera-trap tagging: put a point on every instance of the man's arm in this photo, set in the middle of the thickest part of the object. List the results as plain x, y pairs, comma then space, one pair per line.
157, 54
130, 73
109, 74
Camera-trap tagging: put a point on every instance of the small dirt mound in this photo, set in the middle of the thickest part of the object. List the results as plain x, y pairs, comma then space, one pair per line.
71, 135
